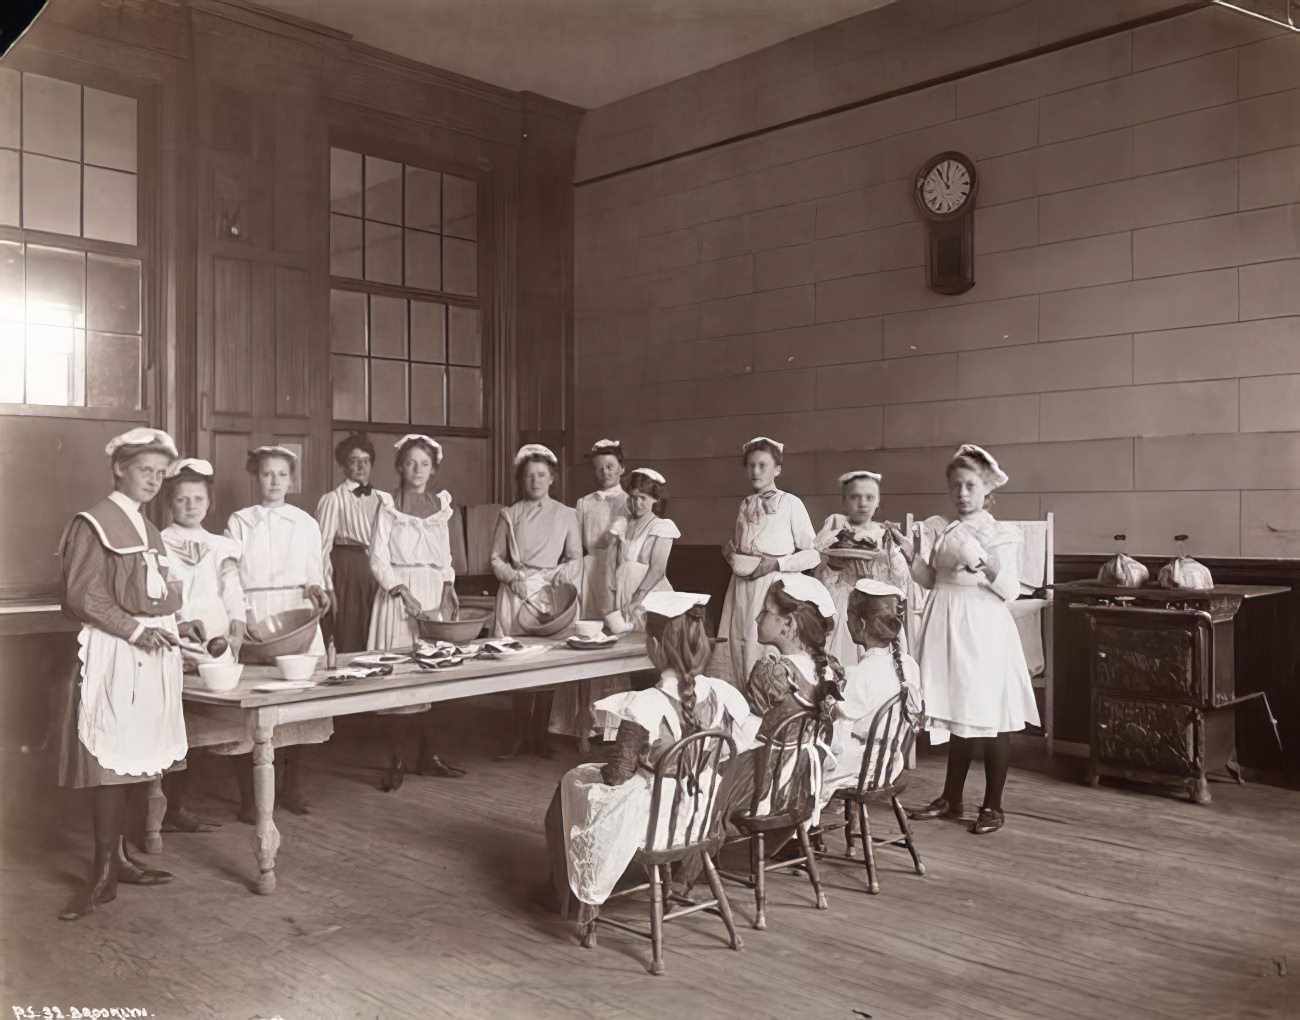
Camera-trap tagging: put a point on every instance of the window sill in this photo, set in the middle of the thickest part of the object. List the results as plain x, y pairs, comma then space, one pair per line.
80, 413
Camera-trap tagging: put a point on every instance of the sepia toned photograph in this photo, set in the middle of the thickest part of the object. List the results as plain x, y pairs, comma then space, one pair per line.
650, 509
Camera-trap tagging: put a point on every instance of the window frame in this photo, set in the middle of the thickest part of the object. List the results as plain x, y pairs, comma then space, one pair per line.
145, 250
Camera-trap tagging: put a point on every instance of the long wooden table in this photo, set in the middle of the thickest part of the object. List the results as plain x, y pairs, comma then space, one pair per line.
270, 719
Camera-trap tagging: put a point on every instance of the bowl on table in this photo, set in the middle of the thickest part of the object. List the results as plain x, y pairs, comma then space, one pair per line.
616, 623
468, 625
587, 629
296, 667
218, 677
289, 633
563, 611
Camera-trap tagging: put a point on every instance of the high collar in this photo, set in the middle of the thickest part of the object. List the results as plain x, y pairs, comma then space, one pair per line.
352, 485
125, 502
875, 651
613, 493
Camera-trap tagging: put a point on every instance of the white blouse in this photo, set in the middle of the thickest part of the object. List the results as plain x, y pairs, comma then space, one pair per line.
342, 514
777, 524
280, 547
207, 566
596, 512
402, 540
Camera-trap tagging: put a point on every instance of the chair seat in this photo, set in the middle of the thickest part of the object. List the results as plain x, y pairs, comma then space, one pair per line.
882, 795
765, 823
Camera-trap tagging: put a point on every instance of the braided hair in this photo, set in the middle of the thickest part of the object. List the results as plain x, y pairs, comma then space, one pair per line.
813, 631
682, 645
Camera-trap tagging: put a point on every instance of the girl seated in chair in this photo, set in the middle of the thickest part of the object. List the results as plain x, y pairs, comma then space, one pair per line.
598, 817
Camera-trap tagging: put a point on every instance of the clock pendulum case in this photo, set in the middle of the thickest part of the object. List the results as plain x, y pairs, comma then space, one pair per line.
945, 196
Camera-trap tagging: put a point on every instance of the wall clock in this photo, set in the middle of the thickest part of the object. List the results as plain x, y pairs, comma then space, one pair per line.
945, 195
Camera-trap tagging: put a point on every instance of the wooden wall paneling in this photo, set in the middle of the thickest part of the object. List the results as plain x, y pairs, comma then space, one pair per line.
230, 358
296, 185
233, 487
291, 343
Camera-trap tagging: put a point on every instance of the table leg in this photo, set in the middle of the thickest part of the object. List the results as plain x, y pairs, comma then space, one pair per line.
155, 808
266, 837
584, 718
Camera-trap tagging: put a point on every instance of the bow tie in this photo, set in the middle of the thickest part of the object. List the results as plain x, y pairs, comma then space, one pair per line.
767, 500
363, 490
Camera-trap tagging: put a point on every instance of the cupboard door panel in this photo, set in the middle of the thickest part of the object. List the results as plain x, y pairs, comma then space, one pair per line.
292, 340
231, 336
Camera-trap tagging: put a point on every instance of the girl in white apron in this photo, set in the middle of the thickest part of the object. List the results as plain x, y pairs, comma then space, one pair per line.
207, 567
536, 545
410, 557
973, 671
597, 510
123, 724
281, 568
862, 552
643, 541
773, 537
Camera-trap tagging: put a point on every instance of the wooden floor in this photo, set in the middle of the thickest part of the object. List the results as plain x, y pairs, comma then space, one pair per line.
427, 903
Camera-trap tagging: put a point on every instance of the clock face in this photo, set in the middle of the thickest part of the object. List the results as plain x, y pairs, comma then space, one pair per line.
946, 187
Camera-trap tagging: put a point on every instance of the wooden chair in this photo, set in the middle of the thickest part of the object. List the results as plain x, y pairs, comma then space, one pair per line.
686, 823
893, 732
783, 799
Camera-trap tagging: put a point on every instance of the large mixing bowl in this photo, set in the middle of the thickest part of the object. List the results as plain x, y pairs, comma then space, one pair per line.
468, 625
564, 602
289, 633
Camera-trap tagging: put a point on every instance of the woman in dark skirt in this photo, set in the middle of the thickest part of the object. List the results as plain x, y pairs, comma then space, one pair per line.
123, 723
347, 520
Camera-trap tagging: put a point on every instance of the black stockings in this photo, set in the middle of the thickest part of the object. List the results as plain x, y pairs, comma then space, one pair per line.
997, 761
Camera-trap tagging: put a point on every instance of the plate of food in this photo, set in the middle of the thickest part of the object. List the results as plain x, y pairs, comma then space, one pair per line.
507, 648
599, 641
276, 686
379, 659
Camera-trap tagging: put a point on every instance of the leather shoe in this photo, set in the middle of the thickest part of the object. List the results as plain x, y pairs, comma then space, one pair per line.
130, 872
940, 807
435, 766
990, 820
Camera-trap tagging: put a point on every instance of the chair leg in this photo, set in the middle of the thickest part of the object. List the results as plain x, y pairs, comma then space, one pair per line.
906, 828
868, 849
656, 921
760, 883
811, 864
848, 828
724, 907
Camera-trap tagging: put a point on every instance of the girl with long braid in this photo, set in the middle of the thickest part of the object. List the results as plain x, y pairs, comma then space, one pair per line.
599, 815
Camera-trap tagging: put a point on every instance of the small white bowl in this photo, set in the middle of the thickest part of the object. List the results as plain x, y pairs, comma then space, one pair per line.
296, 667
219, 676
587, 629
617, 623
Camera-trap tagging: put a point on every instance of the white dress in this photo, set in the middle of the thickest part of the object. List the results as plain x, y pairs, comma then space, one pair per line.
414, 551
605, 825
840, 575
634, 539
769, 524
973, 670
596, 512
207, 566
868, 684
280, 557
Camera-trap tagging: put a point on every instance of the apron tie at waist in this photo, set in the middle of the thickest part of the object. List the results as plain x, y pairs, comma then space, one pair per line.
280, 587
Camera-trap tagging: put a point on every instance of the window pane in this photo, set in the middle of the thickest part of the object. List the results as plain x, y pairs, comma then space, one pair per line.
428, 331
10, 104
349, 381
345, 182
110, 205
12, 372
464, 330
387, 327
110, 130
345, 247
466, 393
347, 322
383, 253
423, 263
459, 266
112, 370
55, 365
51, 117
460, 202
52, 197
112, 294
388, 391
423, 201
383, 190
11, 282
9, 187
428, 395
56, 286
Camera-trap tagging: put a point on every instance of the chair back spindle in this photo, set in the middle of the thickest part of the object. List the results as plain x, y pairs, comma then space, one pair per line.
693, 767
893, 732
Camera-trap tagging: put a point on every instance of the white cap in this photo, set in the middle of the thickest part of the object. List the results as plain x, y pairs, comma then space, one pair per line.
192, 465
853, 476
998, 477
870, 586
605, 446
142, 437
419, 437
808, 589
652, 474
780, 447
672, 603
278, 451
535, 450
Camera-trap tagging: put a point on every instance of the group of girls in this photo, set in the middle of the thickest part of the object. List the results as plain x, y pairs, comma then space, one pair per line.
830, 644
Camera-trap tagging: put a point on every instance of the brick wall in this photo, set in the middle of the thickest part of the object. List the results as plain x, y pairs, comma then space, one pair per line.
1131, 349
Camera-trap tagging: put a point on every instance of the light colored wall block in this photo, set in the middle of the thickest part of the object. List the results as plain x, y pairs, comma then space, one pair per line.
1262, 347
958, 328
1199, 137
986, 421
1270, 178
834, 343
1261, 235
1270, 403
1168, 409
1167, 302
1042, 368
1264, 460
1270, 524
1089, 520
1270, 289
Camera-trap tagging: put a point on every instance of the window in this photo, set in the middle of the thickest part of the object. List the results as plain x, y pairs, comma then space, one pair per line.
70, 274
406, 336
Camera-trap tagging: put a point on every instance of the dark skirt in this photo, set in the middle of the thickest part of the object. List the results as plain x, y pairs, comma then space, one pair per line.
354, 597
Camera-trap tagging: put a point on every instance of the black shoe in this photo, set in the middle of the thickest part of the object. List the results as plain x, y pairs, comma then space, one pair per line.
101, 889
990, 820
131, 872
392, 780
940, 807
435, 766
